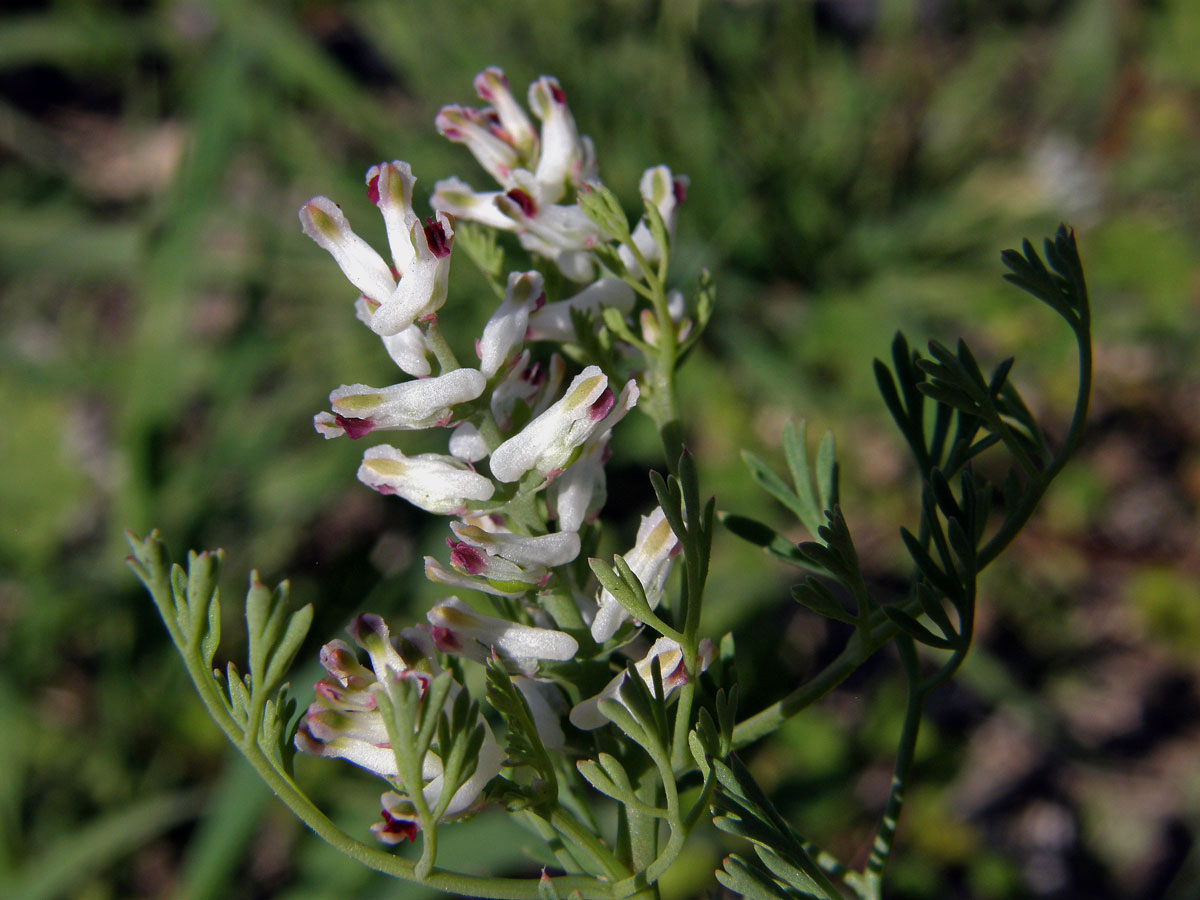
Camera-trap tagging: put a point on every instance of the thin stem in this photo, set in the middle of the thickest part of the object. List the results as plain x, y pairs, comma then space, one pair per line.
441, 349
683, 717
1017, 519
885, 835
853, 655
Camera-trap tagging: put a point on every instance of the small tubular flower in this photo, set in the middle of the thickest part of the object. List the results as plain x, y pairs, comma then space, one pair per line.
580, 491
492, 87
565, 158
323, 221
553, 321
480, 131
422, 290
435, 483
359, 409
526, 389
390, 187
547, 444
506, 565
459, 630
408, 348
414, 285
587, 716
665, 191
650, 560
504, 332
494, 582
545, 550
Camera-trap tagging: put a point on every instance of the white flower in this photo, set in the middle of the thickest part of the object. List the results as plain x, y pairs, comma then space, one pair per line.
566, 159
466, 443
544, 701
497, 584
548, 443
437, 484
492, 86
587, 716
414, 285
504, 332
581, 490
408, 348
503, 564
422, 290
666, 192
545, 550
427, 402
459, 630
650, 560
527, 385
553, 321
323, 221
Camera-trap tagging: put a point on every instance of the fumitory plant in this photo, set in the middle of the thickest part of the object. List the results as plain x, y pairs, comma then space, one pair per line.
550, 681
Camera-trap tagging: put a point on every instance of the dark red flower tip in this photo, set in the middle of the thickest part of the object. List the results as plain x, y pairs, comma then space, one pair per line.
533, 375
399, 829
373, 190
602, 406
679, 189
523, 200
557, 93
355, 428
677, 676
444, 639
466, 558
435, 236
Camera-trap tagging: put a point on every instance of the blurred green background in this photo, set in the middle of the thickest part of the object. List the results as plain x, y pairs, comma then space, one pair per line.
166, 333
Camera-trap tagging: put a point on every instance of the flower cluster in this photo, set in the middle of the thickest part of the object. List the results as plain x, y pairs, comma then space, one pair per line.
524, 469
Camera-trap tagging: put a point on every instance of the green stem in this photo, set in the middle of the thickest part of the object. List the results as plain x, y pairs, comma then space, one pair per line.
441, 349
853, 655
680, 752
885, 835
1017, 519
